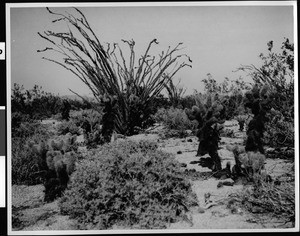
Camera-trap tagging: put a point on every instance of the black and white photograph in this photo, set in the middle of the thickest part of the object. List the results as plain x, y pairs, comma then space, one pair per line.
152, 117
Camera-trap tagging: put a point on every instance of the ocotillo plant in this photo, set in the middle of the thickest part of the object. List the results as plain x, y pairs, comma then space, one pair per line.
209, 116
107, 70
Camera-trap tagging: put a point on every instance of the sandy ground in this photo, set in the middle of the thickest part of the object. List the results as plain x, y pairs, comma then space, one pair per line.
30, 213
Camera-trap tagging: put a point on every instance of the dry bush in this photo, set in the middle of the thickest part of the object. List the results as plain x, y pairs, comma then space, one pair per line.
128, 183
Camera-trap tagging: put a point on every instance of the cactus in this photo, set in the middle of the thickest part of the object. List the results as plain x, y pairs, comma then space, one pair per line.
248, 164
65, 110
109, 117
57, 161
258, 100
250, 159
209, 116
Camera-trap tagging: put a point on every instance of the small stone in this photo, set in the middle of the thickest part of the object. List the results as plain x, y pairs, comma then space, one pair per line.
190, 140
189, 132
257, 209
179, 152
201, 210
224, 176
183, 165
228, 183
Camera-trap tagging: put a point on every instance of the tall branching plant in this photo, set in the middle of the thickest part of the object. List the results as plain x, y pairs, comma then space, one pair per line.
107, 70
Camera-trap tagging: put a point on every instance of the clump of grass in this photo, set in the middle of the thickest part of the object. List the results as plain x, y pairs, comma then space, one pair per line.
128, 183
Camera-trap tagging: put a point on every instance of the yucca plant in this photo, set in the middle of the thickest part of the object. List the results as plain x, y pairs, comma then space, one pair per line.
107, 71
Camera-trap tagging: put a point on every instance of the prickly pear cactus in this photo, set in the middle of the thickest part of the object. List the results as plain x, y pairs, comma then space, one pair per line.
210, 115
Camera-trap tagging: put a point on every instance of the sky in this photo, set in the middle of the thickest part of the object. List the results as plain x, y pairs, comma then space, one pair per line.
218, 39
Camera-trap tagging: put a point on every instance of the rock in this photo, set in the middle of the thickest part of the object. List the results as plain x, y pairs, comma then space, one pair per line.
257, 209
194, 162
179, 152
190, 140
189, 132
224, 176
241, 180
201, 210
228, 183
183, 165
236, 210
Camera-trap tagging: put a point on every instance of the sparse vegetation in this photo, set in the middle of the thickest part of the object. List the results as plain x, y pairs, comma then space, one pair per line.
109, 180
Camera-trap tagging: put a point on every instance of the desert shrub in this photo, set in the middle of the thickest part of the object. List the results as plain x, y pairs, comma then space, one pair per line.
16, 120
128, 183
68, 127
92, 116
30, 128
90, 121
229, 133
233, 104
175, 121
277, 72
25, 129
188, 101
279, 130
231, 93
160, 101
65, 109
35, 103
